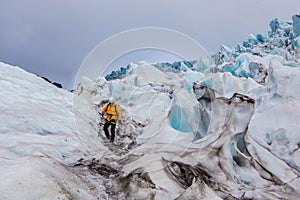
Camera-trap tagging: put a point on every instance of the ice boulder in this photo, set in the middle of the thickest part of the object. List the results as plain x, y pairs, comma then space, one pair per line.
296, 25
260, 38
274, 25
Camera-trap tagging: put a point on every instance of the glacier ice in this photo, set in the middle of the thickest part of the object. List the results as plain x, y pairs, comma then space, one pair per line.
221, 127
296, 25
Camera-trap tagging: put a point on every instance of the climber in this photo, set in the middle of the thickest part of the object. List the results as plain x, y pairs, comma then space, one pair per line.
113, 113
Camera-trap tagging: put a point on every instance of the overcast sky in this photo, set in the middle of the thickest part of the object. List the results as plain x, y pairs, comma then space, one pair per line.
52, 37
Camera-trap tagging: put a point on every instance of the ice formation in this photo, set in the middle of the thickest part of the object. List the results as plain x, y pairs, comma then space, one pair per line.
221, 127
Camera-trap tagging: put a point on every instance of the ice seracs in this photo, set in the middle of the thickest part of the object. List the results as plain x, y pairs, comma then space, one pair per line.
296, 25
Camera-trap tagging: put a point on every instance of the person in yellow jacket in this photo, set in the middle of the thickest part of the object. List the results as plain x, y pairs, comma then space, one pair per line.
113, 113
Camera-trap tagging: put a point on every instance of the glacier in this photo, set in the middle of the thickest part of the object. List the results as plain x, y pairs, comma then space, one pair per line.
224, 126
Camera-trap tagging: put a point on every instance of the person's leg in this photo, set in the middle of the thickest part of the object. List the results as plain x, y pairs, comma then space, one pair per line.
112, 131
105, 128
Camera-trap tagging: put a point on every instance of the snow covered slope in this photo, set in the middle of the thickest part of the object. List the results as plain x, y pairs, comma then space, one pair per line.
223, 127
38, 134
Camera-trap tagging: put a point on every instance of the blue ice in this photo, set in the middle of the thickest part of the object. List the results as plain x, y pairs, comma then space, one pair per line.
179, 120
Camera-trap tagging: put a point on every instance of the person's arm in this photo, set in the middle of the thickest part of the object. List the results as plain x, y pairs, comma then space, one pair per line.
119, 114
104, 109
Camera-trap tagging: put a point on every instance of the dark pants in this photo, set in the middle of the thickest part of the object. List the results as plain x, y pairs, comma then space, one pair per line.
112, 125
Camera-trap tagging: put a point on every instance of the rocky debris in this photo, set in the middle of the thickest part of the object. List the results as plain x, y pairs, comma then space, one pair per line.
54, 83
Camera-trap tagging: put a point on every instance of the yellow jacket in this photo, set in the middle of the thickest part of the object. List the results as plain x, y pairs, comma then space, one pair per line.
112, 111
